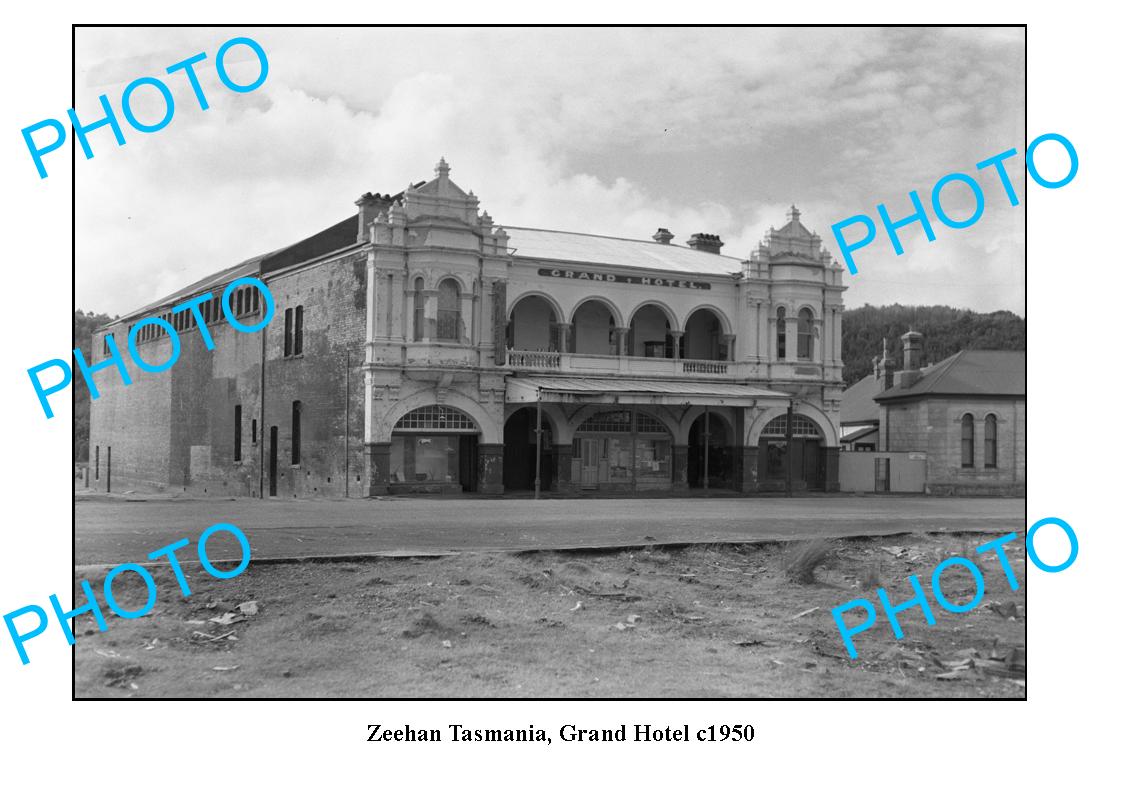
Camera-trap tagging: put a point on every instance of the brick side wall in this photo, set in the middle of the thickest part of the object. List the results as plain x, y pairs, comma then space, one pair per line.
175, 430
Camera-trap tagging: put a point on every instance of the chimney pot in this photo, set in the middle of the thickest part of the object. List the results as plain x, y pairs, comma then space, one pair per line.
703, 242
662, 236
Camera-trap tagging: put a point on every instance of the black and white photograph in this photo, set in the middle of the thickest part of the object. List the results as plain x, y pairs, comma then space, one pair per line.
550, 362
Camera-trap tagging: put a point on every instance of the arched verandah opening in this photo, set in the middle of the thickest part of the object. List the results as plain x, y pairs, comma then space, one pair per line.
804, 457
594, 329
533, 326
704, 336
710, 466
649, 333
520, 451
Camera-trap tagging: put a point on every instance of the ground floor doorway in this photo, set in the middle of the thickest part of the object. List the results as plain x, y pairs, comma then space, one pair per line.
520, 452
803, 455
709, 454
623, 450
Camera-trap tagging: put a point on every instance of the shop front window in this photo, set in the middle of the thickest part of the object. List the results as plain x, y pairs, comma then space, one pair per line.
416, 458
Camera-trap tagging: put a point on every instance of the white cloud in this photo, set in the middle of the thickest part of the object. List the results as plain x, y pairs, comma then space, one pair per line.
597, 130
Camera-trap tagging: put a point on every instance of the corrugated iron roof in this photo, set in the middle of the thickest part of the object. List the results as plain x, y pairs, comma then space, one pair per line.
601, 386
858, 403
576, 247
968, 373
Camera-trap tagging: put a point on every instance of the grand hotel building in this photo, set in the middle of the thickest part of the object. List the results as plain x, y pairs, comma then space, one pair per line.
418, 347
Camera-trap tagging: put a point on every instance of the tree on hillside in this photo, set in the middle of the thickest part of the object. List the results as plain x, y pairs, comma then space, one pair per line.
946, 330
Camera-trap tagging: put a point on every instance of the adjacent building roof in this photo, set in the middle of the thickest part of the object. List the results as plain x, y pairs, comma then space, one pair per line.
577, 247
858, 405
968, 373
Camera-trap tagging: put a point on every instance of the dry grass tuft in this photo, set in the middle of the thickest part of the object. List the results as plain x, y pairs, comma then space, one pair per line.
806, 557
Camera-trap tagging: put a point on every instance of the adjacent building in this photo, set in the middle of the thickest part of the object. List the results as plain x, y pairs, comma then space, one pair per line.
957, 427
418, 346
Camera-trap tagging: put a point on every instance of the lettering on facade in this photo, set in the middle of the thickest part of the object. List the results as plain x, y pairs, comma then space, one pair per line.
621, 279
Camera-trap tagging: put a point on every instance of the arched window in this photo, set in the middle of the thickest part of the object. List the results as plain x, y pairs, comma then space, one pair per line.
806, 328
418, 308
781, 333
448, 310
436, 418
990, 442
802, 426
967, 441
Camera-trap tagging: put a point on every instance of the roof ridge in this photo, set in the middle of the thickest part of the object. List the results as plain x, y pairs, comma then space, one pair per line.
617, 237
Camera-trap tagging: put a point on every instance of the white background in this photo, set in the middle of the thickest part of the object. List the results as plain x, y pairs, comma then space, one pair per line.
1062, 737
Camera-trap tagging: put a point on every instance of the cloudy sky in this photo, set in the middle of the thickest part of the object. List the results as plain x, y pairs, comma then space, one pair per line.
614, 132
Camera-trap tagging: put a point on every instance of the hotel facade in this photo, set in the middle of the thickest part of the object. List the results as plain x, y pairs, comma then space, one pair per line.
418, 347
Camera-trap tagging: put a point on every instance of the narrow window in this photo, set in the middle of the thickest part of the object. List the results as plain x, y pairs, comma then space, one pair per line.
253, 431
207, 312
448, 310
781, 334
990, 442
296, 411
256, 299
288, 332
298, 332
418, 308
967, 442
238, 432
806, 333
97, 462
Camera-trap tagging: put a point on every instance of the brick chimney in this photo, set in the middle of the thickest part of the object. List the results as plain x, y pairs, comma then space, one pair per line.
370, 205
662, 236
914, 351
888, 366
705, 243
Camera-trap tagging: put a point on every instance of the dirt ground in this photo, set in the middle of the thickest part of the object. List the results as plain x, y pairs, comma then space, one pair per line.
697, 621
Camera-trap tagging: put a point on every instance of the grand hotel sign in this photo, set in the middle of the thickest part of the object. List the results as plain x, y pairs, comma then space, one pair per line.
621, 279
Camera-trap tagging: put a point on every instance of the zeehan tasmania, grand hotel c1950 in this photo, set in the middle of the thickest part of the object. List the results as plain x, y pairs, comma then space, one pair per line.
419, 347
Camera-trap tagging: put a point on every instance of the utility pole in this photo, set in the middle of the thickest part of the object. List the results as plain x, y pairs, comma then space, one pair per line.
538, 449
788, 445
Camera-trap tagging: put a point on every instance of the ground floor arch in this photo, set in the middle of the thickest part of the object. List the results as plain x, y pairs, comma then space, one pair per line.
711, 463
799, 456
434, 448
522, 457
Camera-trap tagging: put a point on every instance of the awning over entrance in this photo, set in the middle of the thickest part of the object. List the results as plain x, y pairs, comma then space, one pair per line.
575, 389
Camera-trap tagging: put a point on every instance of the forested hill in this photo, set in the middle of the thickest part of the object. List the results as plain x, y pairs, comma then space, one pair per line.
945, 329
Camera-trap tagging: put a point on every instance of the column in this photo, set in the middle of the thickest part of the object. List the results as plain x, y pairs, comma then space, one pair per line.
676, 343
372, 299
378, 467
747, 471
679, 482
761, 332
621, 333
837, 354
827, 331
728, 340
564, 331
491, 468
409, 320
